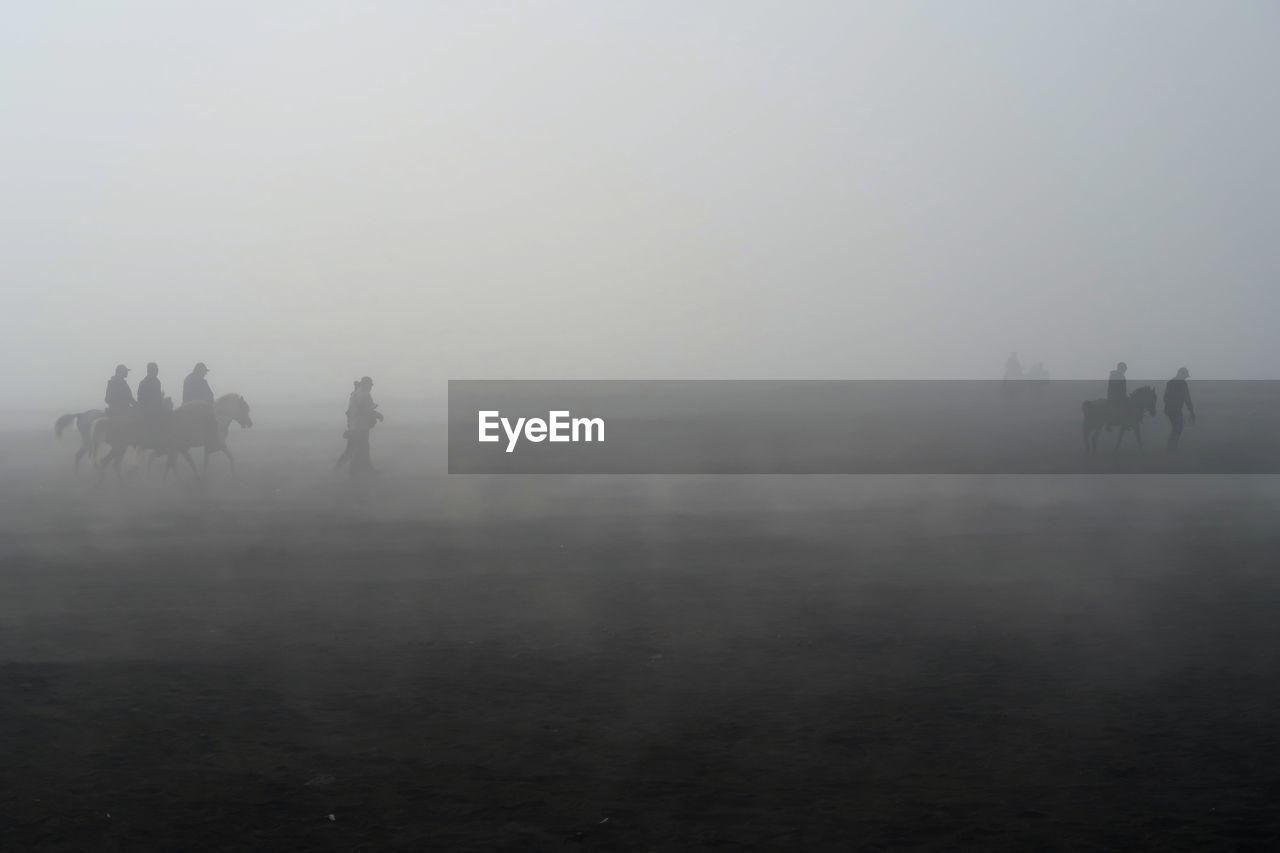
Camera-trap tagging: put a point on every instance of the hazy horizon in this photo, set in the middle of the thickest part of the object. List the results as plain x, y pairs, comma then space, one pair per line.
299, 194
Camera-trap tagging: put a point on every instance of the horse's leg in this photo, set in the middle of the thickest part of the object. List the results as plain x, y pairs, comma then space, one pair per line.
231, 460
1137, 433
186, 454
1120, 436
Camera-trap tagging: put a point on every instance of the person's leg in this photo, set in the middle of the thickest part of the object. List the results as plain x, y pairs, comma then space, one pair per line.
1175, 430
359, 452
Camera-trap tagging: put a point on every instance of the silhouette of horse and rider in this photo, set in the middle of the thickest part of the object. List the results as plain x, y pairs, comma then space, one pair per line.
1125, 411
152, 423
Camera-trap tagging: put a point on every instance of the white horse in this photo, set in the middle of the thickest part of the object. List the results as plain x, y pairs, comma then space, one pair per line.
84, 425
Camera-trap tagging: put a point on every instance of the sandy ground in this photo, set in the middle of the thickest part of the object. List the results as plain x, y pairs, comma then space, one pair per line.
284, 662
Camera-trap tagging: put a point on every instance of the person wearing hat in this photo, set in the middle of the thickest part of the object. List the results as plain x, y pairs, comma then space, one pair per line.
196, 387
1177, 395
119, 398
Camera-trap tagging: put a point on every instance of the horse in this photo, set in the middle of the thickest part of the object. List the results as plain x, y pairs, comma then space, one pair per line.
1100, 413
227, 409
189, 425
84, 424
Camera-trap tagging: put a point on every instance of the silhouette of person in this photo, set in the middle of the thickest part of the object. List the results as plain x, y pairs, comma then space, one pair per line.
362, 417
1117, 393
119, 397
346, 434
195, 387
1177, 395
1012, 367
152, 403
150, 395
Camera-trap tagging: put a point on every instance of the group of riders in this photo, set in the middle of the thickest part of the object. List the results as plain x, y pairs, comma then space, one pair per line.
152, 409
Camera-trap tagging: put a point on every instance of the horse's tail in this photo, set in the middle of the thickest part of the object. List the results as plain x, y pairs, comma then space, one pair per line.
62, 423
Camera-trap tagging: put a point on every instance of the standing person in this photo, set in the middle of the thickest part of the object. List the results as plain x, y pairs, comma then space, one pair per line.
362, 416
1117, 393
1177, 395
119, 398
195, 387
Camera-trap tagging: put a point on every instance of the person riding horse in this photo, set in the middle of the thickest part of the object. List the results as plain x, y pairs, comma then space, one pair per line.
154, 406
196, 387
119, 397
1117, 394
1127, 415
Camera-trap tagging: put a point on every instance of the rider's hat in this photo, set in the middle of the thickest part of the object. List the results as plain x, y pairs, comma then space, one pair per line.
200, 368
121, 370
1183, 373
366, 380
1122, 366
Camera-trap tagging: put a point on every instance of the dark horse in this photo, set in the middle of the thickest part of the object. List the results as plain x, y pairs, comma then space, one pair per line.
1128, 416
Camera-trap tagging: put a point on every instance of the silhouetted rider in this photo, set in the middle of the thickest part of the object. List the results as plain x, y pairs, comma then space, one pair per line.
154, 406
1177, 395
119, 398
196, 387
1117, 393
150, 395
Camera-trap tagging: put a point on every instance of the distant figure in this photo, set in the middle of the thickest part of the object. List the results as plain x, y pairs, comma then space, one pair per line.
1117, 393
1012, 367
1038, 372
119, 398
195, 387
1177, 395
362, 416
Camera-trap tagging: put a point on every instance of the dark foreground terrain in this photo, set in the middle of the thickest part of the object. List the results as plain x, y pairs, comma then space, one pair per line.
441, 663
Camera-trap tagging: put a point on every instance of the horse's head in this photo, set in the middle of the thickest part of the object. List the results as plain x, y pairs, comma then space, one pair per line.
236, 408
242, 416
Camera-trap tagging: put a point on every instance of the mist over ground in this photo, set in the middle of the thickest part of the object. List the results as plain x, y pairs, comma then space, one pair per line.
285, 659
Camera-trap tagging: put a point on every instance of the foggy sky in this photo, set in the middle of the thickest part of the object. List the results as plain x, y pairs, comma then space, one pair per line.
299, 194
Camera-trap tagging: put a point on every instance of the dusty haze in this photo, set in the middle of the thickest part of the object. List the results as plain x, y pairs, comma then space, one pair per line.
299, 194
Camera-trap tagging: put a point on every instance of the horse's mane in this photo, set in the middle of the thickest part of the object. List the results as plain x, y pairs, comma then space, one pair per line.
227, 397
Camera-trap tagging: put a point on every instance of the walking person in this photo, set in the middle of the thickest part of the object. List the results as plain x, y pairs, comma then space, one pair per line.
1177, 395
362, 417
